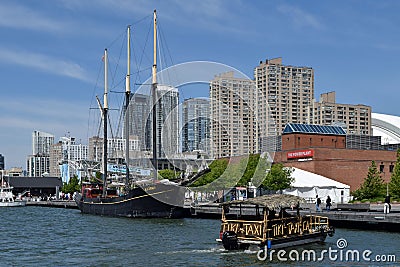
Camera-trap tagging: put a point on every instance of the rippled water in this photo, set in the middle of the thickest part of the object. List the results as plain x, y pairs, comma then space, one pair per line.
37, 236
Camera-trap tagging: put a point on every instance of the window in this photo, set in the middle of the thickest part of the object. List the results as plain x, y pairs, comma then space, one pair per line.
381, 167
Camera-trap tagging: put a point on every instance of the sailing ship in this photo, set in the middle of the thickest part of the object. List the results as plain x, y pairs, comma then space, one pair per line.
152, 199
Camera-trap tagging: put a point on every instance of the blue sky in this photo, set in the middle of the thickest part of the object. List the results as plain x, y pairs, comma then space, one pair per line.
50, 52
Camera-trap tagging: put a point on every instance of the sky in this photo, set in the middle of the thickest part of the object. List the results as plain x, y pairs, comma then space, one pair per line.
51, 53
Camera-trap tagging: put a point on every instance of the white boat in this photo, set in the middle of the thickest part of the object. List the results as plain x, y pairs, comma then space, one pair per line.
6, 196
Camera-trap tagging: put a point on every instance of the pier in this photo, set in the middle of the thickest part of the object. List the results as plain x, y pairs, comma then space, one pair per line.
369, 220
357, 216
54, 204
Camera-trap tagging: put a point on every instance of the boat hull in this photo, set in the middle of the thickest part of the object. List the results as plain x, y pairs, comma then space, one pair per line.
276, 243
297, 240
155, 201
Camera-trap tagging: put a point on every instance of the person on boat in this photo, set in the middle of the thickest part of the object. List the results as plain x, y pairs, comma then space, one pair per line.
318, 204
386, 207
328, 203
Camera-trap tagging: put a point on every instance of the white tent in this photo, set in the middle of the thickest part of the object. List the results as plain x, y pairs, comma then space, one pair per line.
308, 185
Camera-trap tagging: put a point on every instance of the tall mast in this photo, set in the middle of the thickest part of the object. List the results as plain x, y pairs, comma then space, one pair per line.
154, 94
127, 98
105, 115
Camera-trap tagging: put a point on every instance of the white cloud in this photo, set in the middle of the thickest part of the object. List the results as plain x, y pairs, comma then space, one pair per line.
301, 18
56, 116
216, 16
45, 63
17, 16
51, 115
206, 8
54, 109
20, 117
17, 131
141, 7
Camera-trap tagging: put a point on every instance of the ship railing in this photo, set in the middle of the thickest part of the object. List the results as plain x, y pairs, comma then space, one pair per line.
260, 230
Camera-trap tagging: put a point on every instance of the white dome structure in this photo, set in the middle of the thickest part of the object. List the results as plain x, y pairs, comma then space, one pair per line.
386, 126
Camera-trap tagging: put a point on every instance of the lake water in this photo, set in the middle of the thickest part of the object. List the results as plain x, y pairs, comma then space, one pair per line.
38, 236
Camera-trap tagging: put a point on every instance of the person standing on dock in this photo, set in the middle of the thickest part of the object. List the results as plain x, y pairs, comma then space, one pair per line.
318, 204
386, 207
328, 203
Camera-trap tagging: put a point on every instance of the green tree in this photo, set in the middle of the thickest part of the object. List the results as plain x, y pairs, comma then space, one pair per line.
261, 170
278, 178
394, 184
72, 185
373, 185
169, 174
226, 173
97, 178
232, 174
217, 168
250, 166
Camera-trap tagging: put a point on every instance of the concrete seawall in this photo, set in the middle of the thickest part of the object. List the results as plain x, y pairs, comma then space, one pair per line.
369, 216
54, 204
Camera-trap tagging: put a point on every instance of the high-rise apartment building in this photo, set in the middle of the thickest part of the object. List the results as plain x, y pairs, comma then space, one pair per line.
115, 147
38, 164
233, 118
64, 157
72, 150
196, 125
284, 95
167, 124
356, 118
139, 119
56, 159
95, 148
41, 143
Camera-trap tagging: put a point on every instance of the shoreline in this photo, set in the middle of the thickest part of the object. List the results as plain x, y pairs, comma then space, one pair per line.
371, 219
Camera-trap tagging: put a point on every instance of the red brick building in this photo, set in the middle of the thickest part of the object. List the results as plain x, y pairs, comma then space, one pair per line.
323, 151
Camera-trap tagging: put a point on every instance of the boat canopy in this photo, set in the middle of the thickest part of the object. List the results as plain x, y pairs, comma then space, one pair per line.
272, 202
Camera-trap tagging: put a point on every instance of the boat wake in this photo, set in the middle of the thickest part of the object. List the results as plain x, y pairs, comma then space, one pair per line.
234, 252
198, 251
211, 250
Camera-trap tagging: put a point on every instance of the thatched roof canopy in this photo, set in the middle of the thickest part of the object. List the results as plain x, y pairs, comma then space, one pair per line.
271, 202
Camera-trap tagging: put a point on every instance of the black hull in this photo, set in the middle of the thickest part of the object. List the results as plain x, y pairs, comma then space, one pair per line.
153, 201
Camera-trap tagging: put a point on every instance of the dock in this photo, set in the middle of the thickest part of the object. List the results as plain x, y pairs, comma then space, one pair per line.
54, 204
356, 216
363, 216
368, 220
